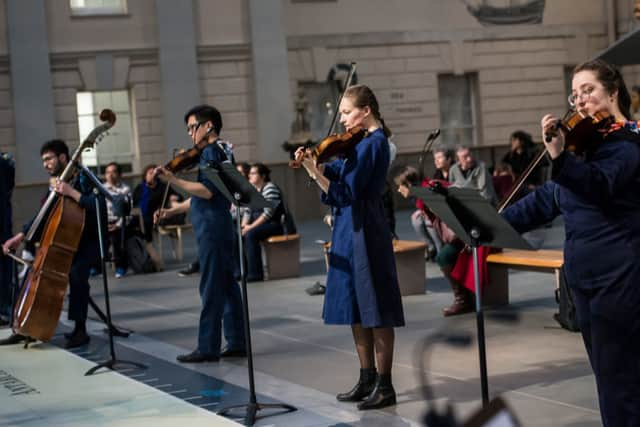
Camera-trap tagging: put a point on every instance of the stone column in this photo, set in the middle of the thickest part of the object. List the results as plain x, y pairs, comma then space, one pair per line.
31, 85
178, 68
271, 79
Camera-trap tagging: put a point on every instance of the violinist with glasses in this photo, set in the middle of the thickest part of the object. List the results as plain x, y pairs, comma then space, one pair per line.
212, 225
595, 189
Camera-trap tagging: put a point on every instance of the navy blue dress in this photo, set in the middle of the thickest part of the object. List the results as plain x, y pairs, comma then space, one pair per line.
599, 199
219, 292
362, 283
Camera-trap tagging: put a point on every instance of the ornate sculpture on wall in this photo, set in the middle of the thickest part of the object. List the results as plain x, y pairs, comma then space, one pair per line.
506, 12
300, 128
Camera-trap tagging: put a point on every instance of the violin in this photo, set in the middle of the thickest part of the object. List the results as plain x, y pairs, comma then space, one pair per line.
189, 157
333, 145
182, 161
581, 134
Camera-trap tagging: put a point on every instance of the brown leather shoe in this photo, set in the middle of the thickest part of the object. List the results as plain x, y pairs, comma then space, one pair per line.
77, 340
459, 306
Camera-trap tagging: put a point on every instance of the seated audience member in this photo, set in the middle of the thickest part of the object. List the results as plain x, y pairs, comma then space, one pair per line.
117, 224
451, 246
471, 173
258, 225
148, 196
194, 267
443, 159
521, 153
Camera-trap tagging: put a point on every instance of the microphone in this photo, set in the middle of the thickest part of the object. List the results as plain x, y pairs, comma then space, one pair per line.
425, 149
433, 135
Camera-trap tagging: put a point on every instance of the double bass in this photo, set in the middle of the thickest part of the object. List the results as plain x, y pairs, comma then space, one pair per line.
37, 309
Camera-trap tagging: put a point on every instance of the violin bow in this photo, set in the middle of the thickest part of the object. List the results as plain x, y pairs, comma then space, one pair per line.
352, 71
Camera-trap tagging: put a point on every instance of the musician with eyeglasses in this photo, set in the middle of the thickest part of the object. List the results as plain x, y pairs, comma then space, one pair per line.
597, 194
212, 225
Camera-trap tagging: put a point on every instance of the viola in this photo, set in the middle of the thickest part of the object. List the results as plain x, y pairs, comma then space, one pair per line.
333, 145
188, 158
583, 133
184, 160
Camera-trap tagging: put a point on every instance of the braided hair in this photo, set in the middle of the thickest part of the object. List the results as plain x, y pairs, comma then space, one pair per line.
612, 81
362, 96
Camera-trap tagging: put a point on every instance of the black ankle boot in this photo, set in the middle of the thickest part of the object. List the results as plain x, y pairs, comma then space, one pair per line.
363, 387
383, 394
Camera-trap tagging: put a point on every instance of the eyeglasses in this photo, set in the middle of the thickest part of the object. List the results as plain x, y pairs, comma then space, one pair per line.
193, 127
580, 96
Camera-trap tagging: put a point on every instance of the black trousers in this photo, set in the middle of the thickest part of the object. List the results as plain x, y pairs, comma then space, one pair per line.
79, 286
609, 320
117, 238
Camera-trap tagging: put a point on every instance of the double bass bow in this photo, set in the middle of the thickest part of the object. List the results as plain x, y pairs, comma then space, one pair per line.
39, 303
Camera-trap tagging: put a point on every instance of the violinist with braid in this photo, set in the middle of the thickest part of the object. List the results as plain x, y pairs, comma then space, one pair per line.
362, 284
598, 196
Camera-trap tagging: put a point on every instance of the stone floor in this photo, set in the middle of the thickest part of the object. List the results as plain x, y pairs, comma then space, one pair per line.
539, 369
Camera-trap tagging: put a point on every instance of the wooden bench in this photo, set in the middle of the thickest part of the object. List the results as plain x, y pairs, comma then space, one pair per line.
498, 264
282, 256
411, 266
175, 234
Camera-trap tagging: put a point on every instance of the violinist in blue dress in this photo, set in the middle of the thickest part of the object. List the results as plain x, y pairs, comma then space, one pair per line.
212, 225
597, 194
362, 284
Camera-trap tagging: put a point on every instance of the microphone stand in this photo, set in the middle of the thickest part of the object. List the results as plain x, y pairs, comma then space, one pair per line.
426, 148
101, 192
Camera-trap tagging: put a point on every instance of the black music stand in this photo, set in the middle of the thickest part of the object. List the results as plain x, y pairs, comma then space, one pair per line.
228, 180
476, 222
101, 195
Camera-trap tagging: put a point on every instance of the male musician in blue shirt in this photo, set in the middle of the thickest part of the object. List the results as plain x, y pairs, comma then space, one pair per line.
213, 227
55, 157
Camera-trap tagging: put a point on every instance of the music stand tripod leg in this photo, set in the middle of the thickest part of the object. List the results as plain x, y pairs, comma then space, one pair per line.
482, 353
113, 361
253, 407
